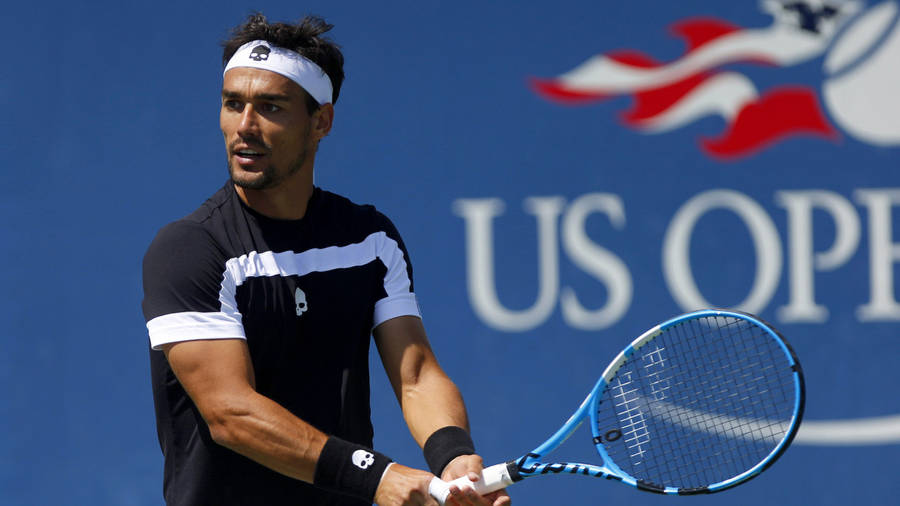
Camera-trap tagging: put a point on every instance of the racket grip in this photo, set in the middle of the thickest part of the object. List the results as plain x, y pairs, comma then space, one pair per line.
492, 478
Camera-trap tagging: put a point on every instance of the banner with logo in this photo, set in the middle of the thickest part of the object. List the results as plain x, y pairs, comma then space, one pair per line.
623, 163
565, 176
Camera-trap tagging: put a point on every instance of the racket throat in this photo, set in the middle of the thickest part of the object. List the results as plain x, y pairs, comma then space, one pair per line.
528, 465
513, 467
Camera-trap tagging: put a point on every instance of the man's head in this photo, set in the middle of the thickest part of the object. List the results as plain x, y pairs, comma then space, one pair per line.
276, 101
305, 37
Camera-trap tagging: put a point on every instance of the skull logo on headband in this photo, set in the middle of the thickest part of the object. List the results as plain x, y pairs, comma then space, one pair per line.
260, 53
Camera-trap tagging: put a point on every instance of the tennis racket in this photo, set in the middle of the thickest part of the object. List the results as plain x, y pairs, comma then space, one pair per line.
697, 404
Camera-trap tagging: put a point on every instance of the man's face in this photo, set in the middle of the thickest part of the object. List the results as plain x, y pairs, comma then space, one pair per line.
269, 136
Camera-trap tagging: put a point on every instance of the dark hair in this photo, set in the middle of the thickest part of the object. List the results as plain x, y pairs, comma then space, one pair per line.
304, 37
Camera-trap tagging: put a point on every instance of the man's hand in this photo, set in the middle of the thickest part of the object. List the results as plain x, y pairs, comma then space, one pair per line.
404, 486
471, 467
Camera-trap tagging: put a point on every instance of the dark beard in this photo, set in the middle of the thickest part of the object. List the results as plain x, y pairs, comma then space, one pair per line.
270, 177
268, 180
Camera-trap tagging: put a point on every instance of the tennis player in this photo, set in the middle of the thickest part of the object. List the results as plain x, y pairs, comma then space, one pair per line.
261, 303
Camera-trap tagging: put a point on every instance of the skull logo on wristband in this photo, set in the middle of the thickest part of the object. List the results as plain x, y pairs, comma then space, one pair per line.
362, 459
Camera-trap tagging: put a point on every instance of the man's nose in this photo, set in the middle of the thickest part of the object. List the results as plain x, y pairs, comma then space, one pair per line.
249, 124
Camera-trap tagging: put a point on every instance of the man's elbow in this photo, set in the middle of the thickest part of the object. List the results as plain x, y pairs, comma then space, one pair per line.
227, 424
223, 432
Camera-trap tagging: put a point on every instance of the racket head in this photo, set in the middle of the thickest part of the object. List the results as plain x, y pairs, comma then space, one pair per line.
698, 404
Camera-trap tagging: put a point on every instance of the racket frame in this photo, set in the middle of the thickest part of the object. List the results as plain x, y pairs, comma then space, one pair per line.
530, 464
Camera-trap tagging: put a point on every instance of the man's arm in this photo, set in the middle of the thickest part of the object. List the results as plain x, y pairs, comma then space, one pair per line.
218, 376
428, 398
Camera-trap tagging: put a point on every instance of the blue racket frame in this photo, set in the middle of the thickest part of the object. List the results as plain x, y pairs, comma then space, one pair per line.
530, 464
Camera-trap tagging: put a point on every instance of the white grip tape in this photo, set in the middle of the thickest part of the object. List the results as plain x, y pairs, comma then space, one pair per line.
492, 478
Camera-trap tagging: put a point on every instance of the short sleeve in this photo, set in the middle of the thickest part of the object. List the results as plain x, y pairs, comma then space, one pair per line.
184, 294
399, 298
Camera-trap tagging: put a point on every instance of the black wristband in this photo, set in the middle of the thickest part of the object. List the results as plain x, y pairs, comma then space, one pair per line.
445, 445
350, 469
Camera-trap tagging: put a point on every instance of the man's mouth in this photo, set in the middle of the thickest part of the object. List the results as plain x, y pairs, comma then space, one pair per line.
247, 156
249, 152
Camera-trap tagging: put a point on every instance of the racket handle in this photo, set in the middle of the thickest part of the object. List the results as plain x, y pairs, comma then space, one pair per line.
492, 478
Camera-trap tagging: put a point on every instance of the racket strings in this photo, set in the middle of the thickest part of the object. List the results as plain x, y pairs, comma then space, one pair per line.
702, 402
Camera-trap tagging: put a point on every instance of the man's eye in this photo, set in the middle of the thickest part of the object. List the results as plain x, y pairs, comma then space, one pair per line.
234, 105
269, 108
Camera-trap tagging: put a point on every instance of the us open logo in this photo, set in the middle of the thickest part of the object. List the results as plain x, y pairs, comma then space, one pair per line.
860, 47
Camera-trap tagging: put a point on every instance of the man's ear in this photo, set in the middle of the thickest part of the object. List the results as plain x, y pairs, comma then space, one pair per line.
322, 121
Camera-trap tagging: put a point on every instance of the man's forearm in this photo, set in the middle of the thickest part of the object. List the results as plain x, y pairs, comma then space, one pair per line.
427, 396
432, 403
264, 431
261, 429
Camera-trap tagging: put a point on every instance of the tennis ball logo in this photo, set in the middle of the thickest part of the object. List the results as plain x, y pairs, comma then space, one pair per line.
862, 88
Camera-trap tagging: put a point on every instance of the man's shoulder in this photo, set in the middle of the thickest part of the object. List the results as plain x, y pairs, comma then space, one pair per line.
340, 208
197, 228
338, 202
213, 209
210, 214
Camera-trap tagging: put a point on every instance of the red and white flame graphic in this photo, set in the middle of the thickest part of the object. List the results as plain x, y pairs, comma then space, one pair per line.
671, 95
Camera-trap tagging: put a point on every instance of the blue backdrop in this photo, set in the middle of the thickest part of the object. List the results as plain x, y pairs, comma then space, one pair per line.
732, 154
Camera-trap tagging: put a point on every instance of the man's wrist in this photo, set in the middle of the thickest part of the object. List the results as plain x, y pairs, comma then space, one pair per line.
446, 444
350, 469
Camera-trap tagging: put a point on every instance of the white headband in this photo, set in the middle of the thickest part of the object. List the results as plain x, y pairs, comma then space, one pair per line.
259, 54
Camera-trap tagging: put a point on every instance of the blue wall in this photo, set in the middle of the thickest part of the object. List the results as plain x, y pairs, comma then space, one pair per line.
109, 131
